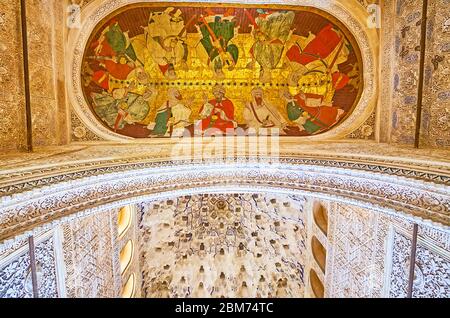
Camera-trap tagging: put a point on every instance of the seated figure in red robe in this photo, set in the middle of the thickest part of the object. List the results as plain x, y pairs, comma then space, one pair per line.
217, 114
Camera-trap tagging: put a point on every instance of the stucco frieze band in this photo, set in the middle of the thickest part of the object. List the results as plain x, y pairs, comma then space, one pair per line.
422, 201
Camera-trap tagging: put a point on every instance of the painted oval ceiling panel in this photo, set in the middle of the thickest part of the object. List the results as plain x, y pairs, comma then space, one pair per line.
160, 70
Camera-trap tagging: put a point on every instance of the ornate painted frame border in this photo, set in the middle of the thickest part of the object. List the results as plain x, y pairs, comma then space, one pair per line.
367, 40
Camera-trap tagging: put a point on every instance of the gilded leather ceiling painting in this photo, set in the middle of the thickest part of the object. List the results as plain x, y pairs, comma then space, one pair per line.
185, 70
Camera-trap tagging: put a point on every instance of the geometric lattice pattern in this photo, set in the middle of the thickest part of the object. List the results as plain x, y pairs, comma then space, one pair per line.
358, 244
369, 256
89, 257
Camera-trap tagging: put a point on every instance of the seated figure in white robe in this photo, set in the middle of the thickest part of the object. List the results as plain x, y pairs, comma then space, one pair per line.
172, 117
262, 117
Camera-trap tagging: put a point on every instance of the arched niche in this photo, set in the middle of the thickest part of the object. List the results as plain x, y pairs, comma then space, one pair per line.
129, 288
319, 253
124, 220
126, 256
320, 217
316, 284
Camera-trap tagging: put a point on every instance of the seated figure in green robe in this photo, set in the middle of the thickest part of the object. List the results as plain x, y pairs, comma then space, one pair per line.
297, 114
172, 117
121, 107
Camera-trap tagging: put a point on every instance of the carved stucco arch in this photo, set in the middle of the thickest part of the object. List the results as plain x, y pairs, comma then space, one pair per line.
55, 199
348, 12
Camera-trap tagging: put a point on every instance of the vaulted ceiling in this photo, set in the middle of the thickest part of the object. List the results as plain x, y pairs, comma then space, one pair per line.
224, 245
